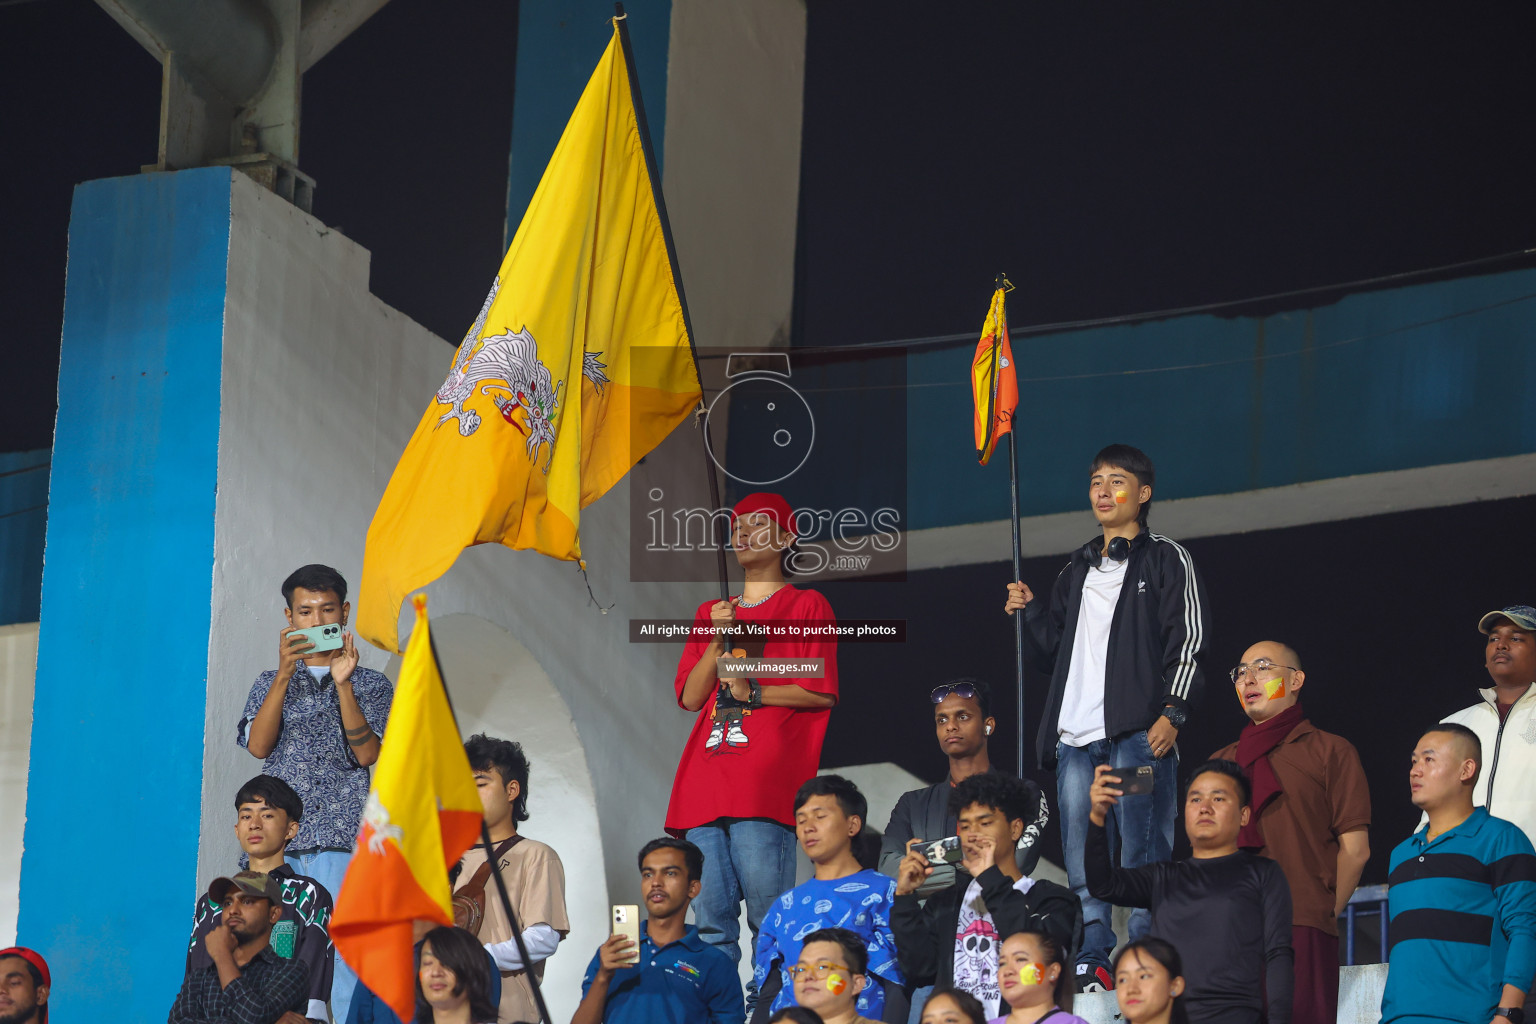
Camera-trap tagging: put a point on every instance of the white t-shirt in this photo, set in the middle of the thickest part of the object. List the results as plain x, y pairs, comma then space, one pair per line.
976, 946
1082, 705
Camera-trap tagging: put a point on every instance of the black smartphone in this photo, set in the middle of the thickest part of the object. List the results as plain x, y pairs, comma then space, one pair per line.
1135, 780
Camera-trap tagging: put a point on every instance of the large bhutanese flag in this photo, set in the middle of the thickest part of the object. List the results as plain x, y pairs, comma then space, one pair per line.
993, 382
578, 364
422, 813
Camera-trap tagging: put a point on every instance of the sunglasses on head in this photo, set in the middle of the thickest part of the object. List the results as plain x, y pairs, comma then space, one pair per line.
963, 690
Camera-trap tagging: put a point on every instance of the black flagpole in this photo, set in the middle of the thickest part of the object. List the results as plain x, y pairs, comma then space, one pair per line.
1018, 616
490, 858
1013, 491
677, 276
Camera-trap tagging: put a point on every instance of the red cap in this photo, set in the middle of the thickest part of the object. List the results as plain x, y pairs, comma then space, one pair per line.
773, 505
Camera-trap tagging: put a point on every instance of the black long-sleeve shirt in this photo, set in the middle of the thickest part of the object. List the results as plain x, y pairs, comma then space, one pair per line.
1229, 917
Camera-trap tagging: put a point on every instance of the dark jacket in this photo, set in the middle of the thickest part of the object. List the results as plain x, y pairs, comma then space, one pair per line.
925, 813
925, 932
1157, 638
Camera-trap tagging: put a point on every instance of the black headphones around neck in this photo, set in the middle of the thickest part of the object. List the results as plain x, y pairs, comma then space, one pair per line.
1095, 551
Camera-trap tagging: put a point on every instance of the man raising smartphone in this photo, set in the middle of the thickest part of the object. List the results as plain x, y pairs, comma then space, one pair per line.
317, 720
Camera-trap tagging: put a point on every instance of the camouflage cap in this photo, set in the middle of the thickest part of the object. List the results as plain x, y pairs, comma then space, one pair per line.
256, 883
1523, 616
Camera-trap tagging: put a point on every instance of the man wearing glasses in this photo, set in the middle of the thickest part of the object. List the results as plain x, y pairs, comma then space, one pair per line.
829, 975
1310, 813
963, 722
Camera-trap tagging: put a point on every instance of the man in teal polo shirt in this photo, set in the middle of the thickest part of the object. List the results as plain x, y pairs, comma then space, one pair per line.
678, 978
1462, 898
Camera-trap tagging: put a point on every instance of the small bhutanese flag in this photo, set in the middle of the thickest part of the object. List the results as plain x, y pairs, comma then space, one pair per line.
578, 364
993, 382
422, 813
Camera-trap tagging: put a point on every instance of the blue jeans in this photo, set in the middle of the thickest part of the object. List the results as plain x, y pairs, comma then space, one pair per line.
745, 860
1143, 823
329, 867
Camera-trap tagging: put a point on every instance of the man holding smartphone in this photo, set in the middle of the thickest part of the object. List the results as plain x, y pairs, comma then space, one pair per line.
953, 938
673, 977
1226, 909
316, 721
1123, 638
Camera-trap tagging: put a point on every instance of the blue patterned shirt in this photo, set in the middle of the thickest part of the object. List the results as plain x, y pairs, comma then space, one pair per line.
312, 754
861, 902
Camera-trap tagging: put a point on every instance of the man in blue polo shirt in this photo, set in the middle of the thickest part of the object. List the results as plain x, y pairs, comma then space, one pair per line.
1462, 898
678, 977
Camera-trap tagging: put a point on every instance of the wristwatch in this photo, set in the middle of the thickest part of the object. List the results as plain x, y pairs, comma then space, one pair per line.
755, 699
1176, 717
1515, 1014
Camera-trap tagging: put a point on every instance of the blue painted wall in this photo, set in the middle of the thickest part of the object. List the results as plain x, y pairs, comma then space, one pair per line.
559, 43
23, 518
1415, 376
117, 734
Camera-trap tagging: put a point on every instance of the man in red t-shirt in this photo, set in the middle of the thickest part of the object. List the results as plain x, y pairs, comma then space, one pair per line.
756, 739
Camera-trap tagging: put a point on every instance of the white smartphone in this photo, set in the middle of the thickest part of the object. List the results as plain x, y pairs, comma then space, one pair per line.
626, 922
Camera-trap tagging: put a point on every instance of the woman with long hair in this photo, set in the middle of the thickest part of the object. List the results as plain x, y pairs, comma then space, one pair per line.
1149, 983
1035, 983
453, 977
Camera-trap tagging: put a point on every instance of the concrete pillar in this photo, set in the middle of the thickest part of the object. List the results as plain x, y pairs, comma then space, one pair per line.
122, 660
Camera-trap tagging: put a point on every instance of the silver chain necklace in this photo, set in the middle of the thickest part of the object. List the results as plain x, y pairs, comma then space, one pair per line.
754, 604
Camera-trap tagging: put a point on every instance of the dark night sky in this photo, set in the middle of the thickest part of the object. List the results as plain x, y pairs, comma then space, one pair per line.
1112, 161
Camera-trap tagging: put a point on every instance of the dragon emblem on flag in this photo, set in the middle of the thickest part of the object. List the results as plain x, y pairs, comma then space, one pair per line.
376, 817
506, 367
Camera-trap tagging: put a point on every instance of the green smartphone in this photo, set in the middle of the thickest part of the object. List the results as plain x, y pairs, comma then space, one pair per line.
325, 638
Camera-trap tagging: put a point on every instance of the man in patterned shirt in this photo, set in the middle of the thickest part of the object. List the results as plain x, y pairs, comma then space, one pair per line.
829, 813
247, 983
317, 720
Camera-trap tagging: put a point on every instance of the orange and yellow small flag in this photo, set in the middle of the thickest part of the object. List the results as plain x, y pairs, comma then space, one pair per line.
422, 813
993, 382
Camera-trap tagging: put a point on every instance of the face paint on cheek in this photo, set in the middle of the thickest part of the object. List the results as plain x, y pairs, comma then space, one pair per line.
1032, 974
836, 983
1275, 688
1121, 497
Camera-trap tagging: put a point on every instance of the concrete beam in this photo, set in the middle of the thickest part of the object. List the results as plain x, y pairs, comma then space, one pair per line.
327, 22
227, 44
1270, 508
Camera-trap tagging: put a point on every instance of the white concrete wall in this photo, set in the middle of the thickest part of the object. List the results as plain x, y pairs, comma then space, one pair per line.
500, 689
18, 668
322, 386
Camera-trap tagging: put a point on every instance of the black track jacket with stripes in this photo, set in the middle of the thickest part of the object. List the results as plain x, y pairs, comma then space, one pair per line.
1157, 637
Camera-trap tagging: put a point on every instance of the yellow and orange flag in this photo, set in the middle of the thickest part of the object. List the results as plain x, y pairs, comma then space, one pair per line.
423, 812
578, 365
994, 384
